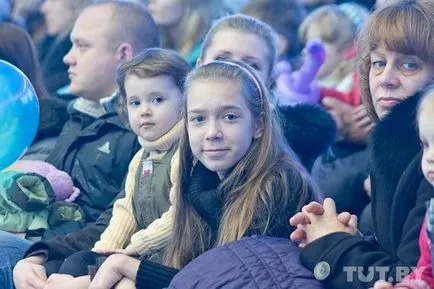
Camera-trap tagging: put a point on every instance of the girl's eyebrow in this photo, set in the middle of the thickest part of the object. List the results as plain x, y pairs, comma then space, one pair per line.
224, 52
251, 58
377, 53
220, 109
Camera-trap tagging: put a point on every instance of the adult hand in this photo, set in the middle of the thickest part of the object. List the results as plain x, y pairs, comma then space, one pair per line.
311, 212
359, 125
29, 273
115, 268
353, 124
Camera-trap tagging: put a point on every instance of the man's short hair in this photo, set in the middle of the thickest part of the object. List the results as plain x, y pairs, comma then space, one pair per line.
131, 23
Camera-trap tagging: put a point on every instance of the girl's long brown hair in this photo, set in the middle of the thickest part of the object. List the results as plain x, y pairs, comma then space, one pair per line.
258, 187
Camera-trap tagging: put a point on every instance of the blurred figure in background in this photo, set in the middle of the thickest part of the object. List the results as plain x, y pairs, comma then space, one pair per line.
184, 23
341, 171
27, 13
16, 47
284, 16
59, 16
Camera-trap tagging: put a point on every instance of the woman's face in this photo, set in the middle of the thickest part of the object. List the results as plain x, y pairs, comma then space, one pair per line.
231, 44
394, 77
166, 12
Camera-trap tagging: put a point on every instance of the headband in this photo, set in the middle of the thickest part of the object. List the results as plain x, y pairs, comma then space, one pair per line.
251, 76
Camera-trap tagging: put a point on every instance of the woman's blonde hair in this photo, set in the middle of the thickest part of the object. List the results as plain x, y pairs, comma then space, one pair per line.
405, 26
246, 24
197, 19
264, 183
334, 27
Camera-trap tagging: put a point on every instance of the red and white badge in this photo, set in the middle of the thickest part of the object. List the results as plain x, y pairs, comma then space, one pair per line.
147, 168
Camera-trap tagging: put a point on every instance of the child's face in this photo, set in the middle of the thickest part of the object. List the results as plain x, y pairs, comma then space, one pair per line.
166, 12
231, 44
426, 134
334, 55
221, 126
153, 105
394, 77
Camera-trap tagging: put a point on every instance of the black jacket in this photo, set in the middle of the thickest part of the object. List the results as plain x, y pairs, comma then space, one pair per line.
340, 174
399, 193
96, 154
51, 51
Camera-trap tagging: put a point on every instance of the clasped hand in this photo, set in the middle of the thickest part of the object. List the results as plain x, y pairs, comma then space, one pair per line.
316, 220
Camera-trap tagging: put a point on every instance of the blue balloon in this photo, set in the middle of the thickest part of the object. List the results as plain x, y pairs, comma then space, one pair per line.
19, 114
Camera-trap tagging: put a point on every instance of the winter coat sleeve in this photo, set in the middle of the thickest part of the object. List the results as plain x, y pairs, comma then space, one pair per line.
60, 247
157, 234
154, 276
123, 223
344, 253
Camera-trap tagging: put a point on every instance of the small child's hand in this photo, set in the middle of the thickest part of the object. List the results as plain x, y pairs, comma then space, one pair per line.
408, 284
382, 285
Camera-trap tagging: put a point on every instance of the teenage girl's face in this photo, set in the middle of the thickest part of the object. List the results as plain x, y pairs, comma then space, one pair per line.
166, 12
221, 127
153, 105
426, 134
394, 77
231, 44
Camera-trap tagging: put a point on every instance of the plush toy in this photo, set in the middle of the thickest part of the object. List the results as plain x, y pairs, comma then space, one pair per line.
60, 181
300, 86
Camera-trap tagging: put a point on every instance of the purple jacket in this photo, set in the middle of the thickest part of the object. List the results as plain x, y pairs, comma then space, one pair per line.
256, 262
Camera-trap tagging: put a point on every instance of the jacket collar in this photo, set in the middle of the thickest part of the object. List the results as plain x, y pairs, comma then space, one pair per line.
395, 141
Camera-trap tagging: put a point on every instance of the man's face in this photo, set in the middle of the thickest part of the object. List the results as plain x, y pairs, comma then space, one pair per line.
93, 58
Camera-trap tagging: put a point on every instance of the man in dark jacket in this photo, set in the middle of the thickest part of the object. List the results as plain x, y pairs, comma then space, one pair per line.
94, 147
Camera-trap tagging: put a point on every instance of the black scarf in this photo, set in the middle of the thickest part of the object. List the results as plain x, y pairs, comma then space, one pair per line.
205, 196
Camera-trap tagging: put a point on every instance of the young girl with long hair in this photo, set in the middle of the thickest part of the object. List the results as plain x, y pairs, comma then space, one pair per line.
238, 177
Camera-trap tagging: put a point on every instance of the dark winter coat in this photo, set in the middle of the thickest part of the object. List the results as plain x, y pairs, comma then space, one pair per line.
340, 174
399, 193
96, 154
256, 262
